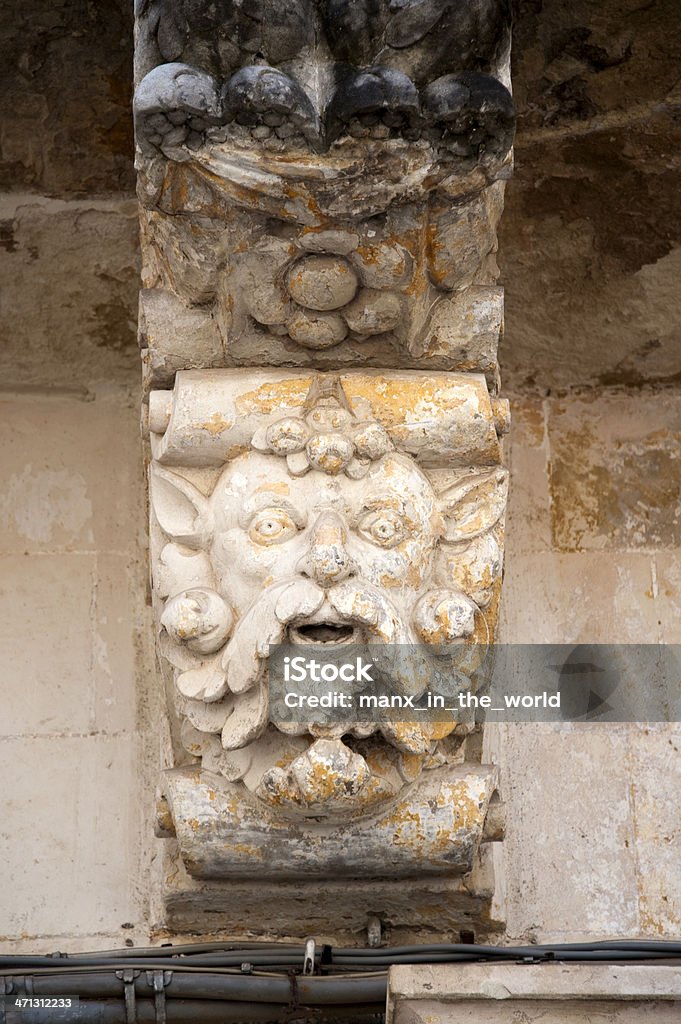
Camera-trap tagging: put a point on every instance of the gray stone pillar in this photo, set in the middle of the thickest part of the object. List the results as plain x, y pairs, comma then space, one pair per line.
320, 185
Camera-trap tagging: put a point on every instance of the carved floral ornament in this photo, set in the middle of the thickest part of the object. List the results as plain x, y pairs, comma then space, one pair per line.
300, 511
321, 183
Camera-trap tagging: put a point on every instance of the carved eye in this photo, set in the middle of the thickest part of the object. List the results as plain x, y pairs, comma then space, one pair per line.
385, 528
272, 526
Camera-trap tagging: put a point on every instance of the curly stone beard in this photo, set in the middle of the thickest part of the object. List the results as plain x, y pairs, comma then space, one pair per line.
329, 776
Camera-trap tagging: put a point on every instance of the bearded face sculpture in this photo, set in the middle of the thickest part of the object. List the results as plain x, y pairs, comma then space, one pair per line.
326, 531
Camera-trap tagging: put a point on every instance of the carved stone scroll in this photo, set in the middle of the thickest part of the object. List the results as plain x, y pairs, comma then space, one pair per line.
320, 183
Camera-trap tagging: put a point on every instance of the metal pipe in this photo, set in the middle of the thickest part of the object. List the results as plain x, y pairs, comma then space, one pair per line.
312, 991
204, 1011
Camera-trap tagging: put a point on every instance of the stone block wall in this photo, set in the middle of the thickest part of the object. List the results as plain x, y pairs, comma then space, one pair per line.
587, 251
73, 580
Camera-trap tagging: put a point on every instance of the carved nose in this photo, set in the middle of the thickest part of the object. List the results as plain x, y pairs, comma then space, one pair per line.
327, 560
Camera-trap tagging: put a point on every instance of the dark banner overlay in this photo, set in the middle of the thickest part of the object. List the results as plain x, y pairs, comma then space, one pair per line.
339, 684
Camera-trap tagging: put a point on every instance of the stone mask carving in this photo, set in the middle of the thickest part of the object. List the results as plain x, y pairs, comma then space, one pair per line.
324, 532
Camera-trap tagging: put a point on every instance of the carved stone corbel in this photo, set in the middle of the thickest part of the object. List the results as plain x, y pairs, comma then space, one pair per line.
320, 183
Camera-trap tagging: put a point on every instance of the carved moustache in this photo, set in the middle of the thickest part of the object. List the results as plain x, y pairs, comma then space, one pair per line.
229, 685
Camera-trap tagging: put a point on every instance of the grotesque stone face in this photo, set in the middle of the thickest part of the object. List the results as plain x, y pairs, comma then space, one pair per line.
328, 529
322, 534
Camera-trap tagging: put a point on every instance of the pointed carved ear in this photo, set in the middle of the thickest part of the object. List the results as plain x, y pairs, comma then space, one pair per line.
181, 510
474, 504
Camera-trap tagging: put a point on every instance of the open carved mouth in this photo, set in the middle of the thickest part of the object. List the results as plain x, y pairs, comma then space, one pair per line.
323, 633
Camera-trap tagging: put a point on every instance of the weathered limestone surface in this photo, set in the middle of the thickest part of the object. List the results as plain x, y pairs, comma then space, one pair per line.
551, 993
592, 556
595, 551
472, 903
592, 221
75, 669
325, 195
287, 506
564, 279
592, 216
591, 233
68, 278
66, 88
576, 596
320, 189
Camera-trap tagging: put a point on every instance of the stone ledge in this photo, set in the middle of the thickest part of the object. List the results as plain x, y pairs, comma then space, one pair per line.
512, 992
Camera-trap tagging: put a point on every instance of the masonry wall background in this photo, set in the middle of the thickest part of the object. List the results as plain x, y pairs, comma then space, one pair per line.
590, 254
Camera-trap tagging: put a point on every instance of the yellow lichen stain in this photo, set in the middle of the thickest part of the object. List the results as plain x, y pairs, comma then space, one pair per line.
394, 402
164, 819
252, 198
408, 827
276, 487
246, 850
411, 765
438, 270
292, 193
331, 463
405, 733
378, 255
413, 242
236, 450
441, 632
278, 395
296, 279
474, 647
412, 578
217, 424
324, 786
284, 795
233, 808
369, 254
438, 730
467, 809
380, 760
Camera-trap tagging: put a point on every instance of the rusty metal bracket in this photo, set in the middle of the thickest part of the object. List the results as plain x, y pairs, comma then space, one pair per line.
128, 977
159, 981
20, 983
293, 1004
